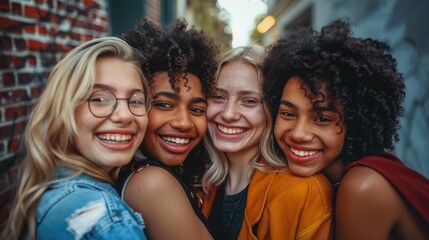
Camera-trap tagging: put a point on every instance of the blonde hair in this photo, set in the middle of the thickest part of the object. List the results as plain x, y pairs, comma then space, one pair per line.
52, 126
218, 167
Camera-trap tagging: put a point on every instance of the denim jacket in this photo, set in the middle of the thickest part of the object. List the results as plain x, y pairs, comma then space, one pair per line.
85, 208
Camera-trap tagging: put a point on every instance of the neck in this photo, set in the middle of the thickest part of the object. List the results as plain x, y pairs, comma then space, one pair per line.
240, 170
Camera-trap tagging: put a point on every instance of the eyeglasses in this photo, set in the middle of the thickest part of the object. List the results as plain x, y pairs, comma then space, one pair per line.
102, 103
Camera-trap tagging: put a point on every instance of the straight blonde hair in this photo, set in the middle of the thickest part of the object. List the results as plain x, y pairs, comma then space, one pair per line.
218, 168
52, 126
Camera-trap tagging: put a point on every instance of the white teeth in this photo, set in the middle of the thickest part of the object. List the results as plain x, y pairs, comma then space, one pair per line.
230, 130
176, 140
114, 138
303, 153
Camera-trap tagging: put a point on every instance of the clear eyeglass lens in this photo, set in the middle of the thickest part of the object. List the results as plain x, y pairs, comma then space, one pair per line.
102, 103
137, 103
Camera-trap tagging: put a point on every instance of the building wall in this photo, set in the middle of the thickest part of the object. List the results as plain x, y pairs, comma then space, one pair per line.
34, 35
401, 23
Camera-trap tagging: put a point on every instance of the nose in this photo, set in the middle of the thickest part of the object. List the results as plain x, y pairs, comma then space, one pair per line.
231, 111
182, 120
122, 113
301, 132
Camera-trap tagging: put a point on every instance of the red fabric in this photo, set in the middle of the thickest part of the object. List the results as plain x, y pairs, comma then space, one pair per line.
413, 186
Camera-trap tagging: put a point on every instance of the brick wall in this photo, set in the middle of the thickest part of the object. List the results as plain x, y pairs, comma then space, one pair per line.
34, 35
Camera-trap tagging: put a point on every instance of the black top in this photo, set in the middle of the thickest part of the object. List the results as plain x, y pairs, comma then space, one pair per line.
227, 214
139, 162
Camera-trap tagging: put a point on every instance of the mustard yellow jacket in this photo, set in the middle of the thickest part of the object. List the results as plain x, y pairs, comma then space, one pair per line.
284, 206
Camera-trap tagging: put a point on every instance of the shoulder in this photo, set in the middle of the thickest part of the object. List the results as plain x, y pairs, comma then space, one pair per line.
364, 180
152, 178
153, 186
362, 190
317, 183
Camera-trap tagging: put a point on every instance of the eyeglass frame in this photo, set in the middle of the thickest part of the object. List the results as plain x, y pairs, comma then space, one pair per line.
148, 104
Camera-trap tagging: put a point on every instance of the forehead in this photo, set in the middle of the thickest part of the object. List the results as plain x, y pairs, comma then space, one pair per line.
190, 85
294, 89
238, 76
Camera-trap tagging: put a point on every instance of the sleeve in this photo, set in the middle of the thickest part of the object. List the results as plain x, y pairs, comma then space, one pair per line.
300, 208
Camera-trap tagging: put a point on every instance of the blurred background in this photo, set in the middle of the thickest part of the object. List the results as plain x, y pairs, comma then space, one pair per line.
35, 34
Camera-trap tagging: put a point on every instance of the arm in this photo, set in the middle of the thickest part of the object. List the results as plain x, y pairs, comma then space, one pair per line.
367, 206
165, 208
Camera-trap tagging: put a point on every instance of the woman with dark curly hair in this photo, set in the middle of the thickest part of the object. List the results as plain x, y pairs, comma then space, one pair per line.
180, 65
336, 101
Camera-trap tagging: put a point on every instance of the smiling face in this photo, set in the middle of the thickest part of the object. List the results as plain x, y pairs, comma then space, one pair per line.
310, 138
111, 141
177, 121
235, 112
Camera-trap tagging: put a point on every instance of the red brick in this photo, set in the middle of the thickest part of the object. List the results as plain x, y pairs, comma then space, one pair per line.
55, 18
34, 45
20, 44
13, 96
6, 132
4, 6
42, 30
8, 79
12, 113
34, 12
24, 78
7, 23
14, 144
52, 31
16, 9
90, 3
30, 28
11, 61
6, 43
36, 92
32, 61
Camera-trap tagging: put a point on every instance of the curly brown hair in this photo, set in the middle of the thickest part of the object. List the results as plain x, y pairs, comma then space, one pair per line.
361, 74
177, 51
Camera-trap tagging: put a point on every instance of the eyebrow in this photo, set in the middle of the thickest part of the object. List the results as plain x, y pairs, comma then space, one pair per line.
315, 107
244, 92
176, 97
104, 86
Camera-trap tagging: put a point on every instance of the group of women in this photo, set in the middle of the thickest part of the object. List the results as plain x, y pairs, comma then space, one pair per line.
285, 142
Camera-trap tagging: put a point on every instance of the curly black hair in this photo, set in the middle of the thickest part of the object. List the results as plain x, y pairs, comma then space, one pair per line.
177, 51
361, 74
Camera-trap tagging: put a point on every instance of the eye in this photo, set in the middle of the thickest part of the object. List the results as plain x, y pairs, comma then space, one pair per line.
137, 99
323, 119
102, 97
197, 110
286, 114
250, 102
162, 105
217, 98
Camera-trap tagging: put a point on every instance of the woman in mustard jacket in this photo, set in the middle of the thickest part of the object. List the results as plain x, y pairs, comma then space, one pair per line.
248, 193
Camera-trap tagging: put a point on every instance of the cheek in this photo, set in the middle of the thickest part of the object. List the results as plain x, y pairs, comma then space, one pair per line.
200, 124
279, 128
213, 109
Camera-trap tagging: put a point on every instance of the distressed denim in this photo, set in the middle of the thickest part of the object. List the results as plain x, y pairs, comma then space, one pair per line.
85, 208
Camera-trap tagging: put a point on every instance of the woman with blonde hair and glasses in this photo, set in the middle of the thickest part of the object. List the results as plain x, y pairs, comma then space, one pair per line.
90, 119
250, 195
